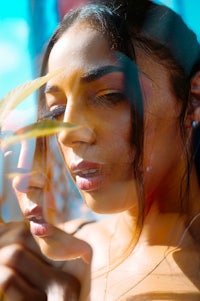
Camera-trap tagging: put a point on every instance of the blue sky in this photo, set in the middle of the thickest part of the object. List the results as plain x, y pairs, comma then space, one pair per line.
15, 65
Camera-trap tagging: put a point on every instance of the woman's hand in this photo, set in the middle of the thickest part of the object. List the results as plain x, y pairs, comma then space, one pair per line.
59, 245
25, 274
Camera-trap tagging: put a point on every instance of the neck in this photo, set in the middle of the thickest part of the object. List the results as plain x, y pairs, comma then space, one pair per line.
194, 206
171, 192
172, 206
124, 236
162, 229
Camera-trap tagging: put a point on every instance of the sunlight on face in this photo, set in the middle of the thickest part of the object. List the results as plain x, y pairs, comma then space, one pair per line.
91, 93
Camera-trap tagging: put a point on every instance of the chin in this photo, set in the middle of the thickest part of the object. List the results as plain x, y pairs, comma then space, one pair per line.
103, 205
115, 199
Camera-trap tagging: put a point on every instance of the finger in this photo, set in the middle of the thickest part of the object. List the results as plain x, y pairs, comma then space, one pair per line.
59, 245
82, 272
14, 287
27, 154
62, 246
38, 274
29, 266
66, 288
18, 233
19, 230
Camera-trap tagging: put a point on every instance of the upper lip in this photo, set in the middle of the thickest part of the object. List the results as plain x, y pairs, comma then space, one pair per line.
85, 167
35, 212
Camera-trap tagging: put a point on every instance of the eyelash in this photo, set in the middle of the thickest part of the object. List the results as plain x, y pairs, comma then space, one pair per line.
104, 99
54, 114
110, 98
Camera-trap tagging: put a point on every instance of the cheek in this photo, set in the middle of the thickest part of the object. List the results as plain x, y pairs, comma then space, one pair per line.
67, 154
22, 200
118, 138
122, 150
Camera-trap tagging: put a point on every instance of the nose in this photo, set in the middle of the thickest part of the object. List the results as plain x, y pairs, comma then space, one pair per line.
31, 168
82, 132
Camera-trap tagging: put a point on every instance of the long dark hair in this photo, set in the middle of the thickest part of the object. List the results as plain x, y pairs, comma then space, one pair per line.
164, 36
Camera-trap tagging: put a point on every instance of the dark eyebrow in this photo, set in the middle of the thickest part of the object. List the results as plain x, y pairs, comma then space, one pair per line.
88, 77
95, 74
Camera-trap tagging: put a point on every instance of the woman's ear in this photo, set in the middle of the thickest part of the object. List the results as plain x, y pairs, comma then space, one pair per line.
193, 112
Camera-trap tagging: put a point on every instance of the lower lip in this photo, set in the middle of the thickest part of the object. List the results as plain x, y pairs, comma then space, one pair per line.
40, 228
92, 183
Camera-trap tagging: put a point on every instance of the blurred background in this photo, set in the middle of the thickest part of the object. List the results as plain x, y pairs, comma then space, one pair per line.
25, 28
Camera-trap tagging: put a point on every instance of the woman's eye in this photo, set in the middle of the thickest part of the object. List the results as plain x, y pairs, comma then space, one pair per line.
110, 98
55, 114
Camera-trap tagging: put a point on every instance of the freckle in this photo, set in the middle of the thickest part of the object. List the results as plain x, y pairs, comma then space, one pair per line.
146, 86
148, 169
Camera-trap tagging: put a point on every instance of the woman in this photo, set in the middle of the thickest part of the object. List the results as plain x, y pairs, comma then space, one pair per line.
148, 241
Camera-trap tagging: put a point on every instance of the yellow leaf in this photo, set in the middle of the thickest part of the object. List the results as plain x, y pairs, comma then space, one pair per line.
17, 95
39, 129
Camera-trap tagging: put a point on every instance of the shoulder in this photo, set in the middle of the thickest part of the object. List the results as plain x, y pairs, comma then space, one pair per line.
102, 228
98, 235
75, 225
82, 227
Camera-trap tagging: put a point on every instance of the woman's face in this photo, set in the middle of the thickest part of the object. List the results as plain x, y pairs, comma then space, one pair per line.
89, 92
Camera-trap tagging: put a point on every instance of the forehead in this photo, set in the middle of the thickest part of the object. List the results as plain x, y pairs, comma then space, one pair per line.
81, 45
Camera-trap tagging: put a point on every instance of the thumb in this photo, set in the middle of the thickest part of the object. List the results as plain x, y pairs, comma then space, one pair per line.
59, 245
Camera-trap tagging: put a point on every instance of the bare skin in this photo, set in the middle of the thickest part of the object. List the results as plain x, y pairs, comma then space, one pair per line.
155, 268
26, 274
